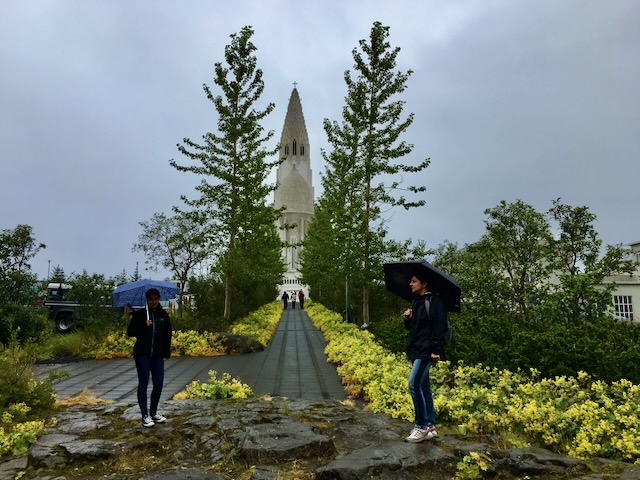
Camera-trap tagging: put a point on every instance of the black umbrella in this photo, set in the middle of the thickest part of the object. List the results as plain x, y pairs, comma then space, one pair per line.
397, 276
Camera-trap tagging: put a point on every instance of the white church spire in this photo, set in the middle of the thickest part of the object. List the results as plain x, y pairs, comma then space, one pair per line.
294, 190
294, 147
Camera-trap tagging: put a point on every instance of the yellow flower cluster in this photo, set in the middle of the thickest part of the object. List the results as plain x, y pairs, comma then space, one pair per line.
16, 437
260, 324
195, 344
577, 416
215, 388
366, 368
115, 345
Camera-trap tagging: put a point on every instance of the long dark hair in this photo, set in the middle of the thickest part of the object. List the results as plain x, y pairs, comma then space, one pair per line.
152, 291
422, 276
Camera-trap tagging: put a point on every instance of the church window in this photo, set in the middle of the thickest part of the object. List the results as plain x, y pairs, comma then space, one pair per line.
301, 149
286, 149
294, 147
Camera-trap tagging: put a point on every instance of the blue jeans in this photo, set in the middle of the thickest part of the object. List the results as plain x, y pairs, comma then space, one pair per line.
149, 366
420, 390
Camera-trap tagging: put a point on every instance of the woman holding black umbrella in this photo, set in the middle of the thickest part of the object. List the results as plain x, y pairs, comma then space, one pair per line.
152, 328
426, 321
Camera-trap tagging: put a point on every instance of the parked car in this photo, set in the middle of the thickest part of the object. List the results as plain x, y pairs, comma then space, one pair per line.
60, 308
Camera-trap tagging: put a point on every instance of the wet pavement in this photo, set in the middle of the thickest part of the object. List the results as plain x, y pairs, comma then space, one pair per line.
293, 365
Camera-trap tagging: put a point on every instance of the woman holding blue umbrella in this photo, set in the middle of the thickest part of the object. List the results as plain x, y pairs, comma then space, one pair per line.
152, 328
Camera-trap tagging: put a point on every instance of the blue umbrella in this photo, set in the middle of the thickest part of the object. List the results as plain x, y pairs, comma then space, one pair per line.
134, 294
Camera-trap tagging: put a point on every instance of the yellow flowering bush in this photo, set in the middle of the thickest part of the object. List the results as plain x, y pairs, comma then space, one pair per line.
17, 436
260, 324
577, 416
215, 388
195, 344
116, 344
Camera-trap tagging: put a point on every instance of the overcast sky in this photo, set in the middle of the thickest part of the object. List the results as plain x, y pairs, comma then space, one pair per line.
530, 100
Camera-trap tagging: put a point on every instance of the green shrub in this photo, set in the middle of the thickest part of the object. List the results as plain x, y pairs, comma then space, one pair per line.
72, 344
390, 333
17, 383
27, 322
604, 348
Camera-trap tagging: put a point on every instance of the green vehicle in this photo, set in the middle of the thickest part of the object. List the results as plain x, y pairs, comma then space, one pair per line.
60, 308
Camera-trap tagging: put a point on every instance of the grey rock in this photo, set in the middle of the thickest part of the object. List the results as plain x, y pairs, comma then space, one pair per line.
209, 437
397, 460
202, 422
11, 468
284, 440
186, 474
90, 449
45, 452
77, 422
53, 439
538, 461
632, 472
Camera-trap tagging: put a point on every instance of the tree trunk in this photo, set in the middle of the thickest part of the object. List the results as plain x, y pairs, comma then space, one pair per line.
365, 304
227, 298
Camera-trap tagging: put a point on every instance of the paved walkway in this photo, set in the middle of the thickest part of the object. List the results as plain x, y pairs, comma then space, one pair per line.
293, 365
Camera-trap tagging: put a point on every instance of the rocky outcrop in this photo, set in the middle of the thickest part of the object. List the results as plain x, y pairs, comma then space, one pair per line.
275, 438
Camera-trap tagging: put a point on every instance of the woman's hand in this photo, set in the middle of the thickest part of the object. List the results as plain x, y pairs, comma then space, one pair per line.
407, 313
435, 357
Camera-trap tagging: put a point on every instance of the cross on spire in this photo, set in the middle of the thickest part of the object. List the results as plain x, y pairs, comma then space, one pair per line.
295, 84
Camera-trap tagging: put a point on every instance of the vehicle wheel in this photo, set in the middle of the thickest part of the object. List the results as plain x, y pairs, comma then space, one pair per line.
64, 322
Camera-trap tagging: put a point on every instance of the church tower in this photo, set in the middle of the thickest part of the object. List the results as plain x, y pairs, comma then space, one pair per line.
294, 191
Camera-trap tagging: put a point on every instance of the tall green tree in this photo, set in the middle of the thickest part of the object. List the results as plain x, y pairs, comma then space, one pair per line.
366, 148
577, 260
519, 238
519, 268
537, 300
57, 274
18, 295
234, 162
178, 243
136, 274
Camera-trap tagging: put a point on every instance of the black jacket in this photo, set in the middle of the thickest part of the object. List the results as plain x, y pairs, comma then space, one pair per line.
426, 329
153, 340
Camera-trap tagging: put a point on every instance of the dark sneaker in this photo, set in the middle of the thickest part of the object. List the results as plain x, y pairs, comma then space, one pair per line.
147, 421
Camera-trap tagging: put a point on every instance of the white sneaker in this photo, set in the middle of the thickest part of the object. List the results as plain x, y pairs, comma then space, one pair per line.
418, 435
158, 418
147, 421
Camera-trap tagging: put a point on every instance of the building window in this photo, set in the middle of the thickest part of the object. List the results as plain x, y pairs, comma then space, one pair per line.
286, 149
301, 149
295, 147
623, 307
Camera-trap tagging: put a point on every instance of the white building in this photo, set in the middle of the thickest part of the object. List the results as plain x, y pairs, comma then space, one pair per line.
627, 292
294, 192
